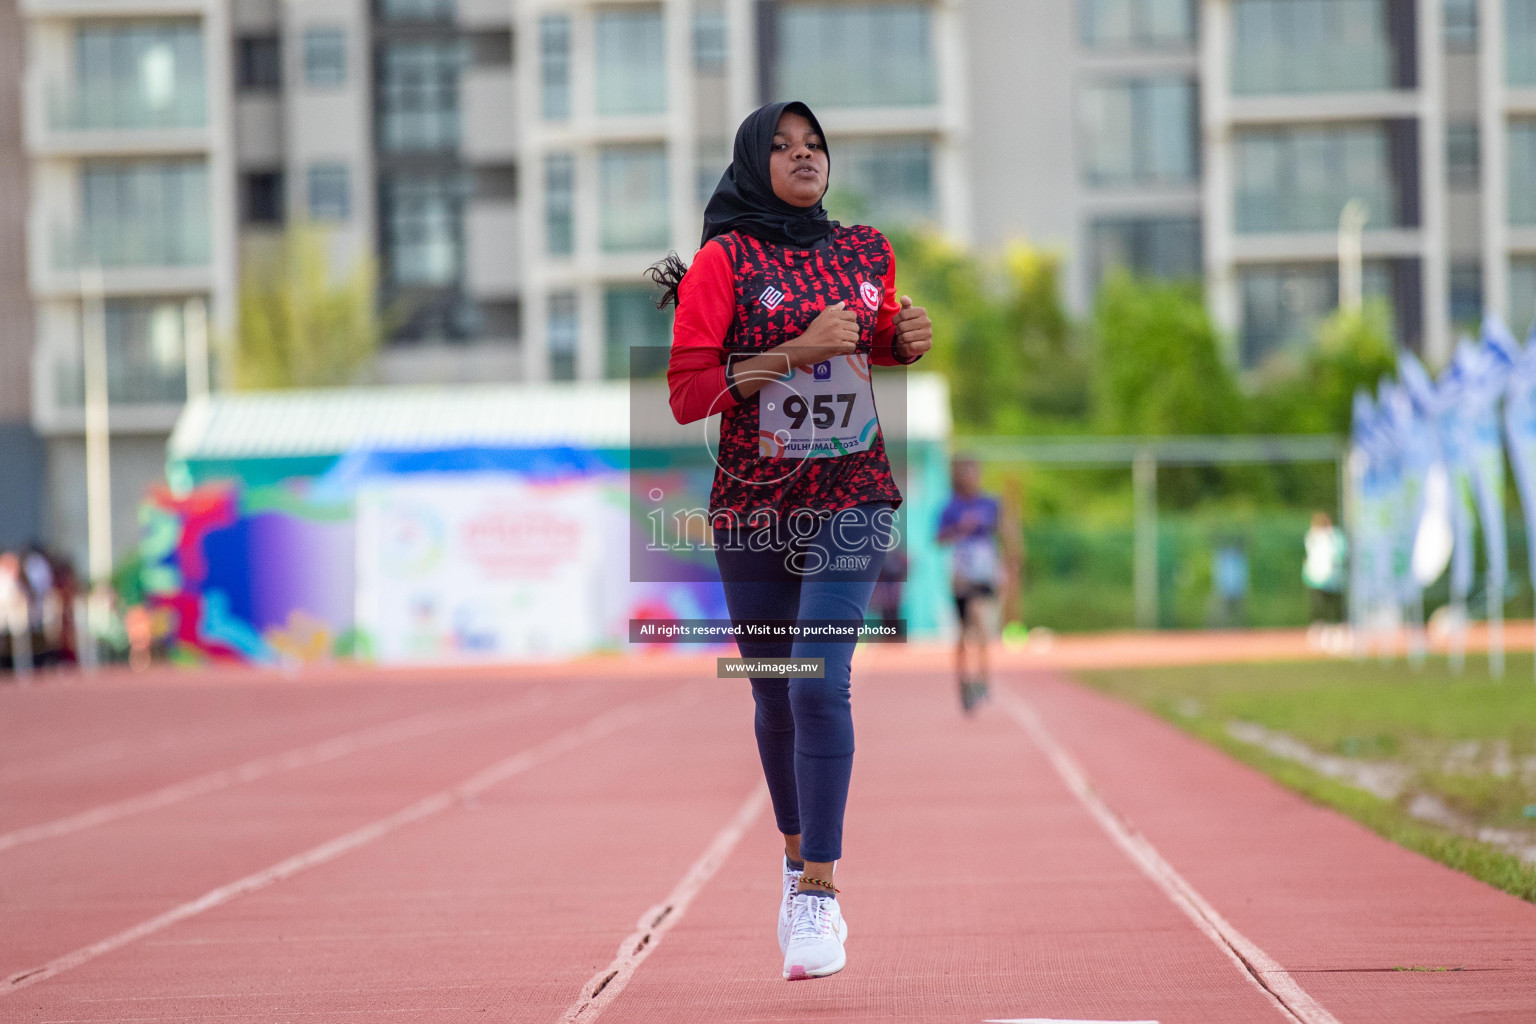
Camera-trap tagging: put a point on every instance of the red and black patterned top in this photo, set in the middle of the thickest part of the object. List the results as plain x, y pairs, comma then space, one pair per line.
744, 295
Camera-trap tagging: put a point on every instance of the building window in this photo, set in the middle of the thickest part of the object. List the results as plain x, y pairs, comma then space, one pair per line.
1140, 132
423, 217
490, 48
714, 156
1520, 41
1287, 46
1522, 296
555, 66
1467, 295
1165, 247
559, 204
495, 182
330, 192
885, 182
709, 41
1298, 179
142, 213
1522, 172
262, 197
419, 95
632, 197
1136, 23
631, 321
856, 55
258, 64
1462, 154
1282, 306
1461, 24
416, 10
563, 333
325, 58
631, 62
134, 75
146, 355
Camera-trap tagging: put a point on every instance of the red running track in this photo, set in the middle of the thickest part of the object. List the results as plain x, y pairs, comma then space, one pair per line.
500, 847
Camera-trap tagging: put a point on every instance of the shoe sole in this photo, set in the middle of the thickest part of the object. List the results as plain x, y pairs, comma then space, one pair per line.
798, 973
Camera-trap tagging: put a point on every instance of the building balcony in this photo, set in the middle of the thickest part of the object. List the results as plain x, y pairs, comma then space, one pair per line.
1290, 108
134, 258
111, 8
67, 121
488, 115
1282, 247
491, 237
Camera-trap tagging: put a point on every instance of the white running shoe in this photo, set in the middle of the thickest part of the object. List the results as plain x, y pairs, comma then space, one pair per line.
817, 932
791, 884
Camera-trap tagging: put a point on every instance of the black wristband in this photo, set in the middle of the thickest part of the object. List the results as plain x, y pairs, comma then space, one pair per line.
900, 361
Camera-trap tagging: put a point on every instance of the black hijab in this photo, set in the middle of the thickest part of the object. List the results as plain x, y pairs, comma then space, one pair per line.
744, 199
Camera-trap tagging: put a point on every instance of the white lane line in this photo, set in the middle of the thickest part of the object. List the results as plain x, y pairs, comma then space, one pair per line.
1262, 970
331, 749
1063, 1020
595, 729
606, 984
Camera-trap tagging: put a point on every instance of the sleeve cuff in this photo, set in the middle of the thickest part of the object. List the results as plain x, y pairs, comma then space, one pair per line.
900, 361
730, 382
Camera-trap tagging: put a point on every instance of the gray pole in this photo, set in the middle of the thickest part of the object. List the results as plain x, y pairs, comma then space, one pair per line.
1144, 488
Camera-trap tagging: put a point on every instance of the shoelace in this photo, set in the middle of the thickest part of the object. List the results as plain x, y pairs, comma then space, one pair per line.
791, 881
810, 919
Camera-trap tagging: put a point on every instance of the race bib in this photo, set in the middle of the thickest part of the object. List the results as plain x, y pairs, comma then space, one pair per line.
819, 411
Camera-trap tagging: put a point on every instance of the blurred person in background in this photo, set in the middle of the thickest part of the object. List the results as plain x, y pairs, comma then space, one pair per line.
15, 617
886, 600
778, 287
1322, 569
1229, 576
969, 523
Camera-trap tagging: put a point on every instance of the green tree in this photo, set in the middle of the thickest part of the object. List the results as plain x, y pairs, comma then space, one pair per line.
299, 325
1158, 366
1001, 336
1353, 350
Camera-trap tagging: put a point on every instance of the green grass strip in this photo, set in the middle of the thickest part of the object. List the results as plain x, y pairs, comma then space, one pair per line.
1480, 860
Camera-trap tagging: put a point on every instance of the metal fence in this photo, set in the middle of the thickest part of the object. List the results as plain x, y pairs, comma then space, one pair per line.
1164, 561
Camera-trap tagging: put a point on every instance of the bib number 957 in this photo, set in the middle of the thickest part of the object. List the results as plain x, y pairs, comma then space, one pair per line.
820, 411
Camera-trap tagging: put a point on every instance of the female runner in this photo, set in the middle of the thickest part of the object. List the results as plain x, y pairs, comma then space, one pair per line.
803, 499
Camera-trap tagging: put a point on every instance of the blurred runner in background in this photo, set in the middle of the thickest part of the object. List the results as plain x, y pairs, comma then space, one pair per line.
886, 600
1323, 570
969, 522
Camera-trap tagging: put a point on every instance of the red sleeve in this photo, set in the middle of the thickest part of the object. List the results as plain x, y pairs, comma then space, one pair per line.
883, 354
706, 304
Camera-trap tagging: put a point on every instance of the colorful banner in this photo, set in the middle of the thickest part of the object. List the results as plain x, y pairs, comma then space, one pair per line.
488, 566
262, 576
1520, 432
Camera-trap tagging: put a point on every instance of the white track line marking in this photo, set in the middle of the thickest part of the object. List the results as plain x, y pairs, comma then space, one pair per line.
594, 729
1263, 971
1063, 1020
331, 749
606, 984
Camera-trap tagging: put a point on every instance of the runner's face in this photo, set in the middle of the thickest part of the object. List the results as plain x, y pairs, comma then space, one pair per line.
797, 164
965, 477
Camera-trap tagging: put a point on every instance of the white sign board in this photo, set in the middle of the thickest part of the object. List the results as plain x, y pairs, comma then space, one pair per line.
480, 567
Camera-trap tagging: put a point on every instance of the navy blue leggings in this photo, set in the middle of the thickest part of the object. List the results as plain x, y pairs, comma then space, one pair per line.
805, 726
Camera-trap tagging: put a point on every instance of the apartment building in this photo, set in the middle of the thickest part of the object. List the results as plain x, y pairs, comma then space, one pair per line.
512, 165
1222, 138
627, 113
130, 228
20, 448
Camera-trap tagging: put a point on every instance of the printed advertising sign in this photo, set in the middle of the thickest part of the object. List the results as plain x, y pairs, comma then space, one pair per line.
485, 567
